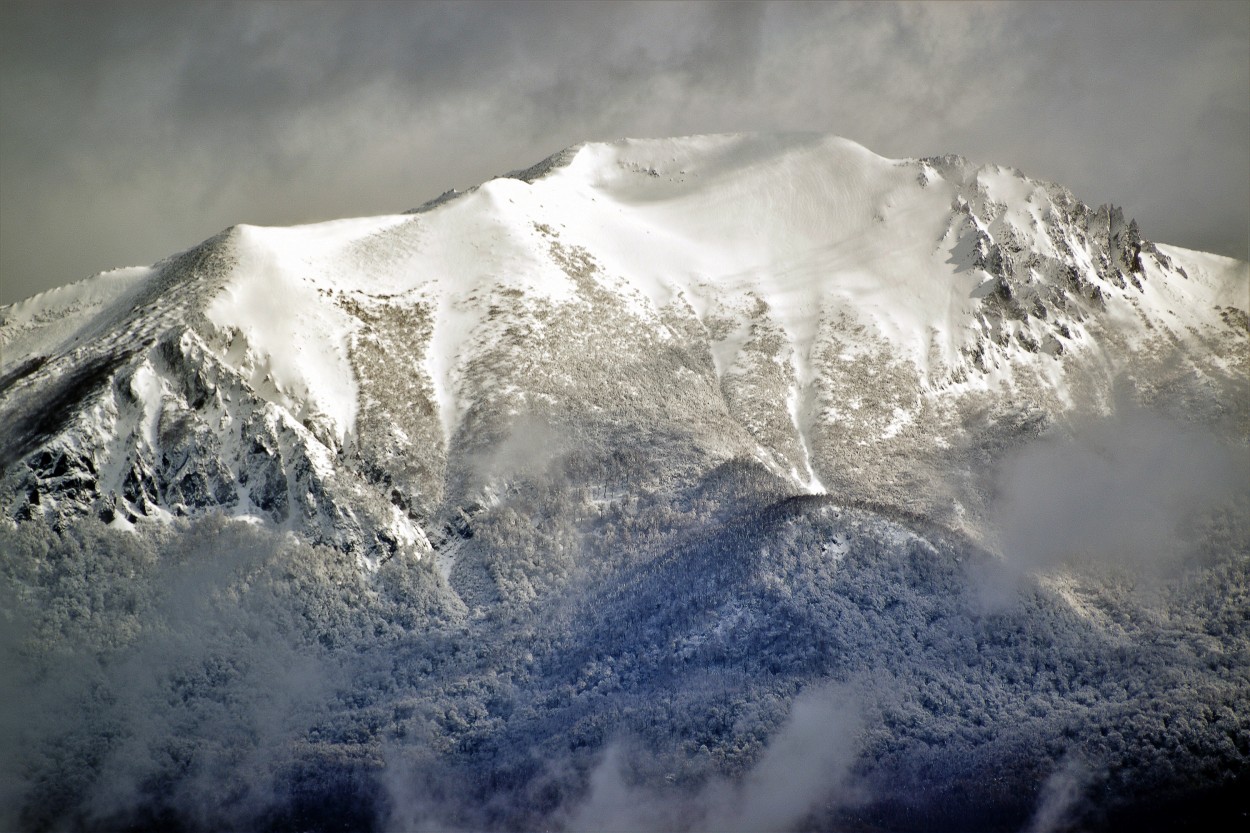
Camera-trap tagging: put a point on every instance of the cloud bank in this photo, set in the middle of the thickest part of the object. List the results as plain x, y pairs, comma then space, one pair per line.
132, 130
1127, 490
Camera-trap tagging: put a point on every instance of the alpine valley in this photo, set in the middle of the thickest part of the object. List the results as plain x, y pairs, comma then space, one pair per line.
722, 482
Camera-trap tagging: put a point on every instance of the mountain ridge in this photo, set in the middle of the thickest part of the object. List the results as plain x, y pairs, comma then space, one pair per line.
973, 275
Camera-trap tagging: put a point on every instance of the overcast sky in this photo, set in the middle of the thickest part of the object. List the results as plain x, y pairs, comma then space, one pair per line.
130, 131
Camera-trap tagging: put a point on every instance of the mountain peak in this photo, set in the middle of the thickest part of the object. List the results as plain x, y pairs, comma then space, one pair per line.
817, 298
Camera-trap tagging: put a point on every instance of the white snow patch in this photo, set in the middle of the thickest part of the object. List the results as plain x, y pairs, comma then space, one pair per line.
297, 339
52, 321
808, 478
900, 420
120, 523
445, 559
836, 549
149, 388
808, 225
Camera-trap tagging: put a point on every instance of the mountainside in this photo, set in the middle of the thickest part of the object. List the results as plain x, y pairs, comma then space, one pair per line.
725, 417
856, 324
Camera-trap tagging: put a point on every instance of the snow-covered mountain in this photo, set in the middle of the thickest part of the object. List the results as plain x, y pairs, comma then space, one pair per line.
859, 325
713, 483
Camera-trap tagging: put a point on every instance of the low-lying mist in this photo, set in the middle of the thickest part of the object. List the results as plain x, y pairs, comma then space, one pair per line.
1129, 490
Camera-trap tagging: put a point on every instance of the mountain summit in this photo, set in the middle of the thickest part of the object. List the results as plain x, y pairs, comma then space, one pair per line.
597, 494
853, 323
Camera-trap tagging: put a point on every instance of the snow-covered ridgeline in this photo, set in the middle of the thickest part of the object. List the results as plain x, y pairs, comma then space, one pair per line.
843, 299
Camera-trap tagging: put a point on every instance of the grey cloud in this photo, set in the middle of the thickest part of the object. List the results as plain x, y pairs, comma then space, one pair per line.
531, 450
1062, 793
1123, 491
133, 129
217, 678
806, 767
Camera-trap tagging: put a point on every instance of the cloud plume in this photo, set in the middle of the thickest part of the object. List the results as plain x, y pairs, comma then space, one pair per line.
805, 768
